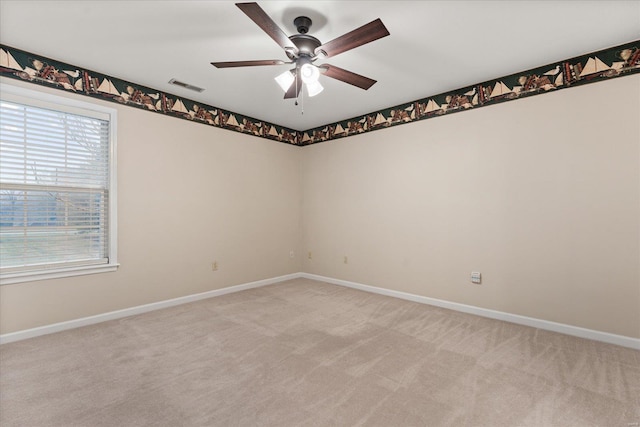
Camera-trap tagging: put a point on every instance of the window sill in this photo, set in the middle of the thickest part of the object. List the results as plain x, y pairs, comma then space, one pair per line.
11, 278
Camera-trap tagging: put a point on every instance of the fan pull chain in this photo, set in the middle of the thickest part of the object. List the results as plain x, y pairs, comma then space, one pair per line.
298, 94
296, 82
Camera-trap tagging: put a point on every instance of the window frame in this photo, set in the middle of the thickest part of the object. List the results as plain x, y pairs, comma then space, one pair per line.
61, 103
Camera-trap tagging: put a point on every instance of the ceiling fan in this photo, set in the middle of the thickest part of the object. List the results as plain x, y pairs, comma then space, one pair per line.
303, 50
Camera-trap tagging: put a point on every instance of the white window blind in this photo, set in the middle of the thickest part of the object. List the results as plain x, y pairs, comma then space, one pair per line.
54, 188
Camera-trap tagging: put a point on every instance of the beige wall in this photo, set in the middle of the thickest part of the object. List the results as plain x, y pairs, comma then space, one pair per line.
188, 194
541, 195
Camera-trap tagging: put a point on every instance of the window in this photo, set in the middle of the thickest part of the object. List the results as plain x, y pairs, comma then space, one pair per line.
57, 186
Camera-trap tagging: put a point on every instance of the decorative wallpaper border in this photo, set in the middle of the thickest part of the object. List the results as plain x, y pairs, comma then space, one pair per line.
590, 68
21, 65
594, 67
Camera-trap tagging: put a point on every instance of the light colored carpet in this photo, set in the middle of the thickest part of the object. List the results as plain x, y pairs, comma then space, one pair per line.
305, 353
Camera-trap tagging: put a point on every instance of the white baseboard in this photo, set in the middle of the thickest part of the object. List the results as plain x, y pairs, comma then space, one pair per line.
484, 312
493, 314
118, 314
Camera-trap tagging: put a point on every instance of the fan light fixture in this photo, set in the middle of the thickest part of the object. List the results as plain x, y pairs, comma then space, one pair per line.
314, 88
308, 73
285, 80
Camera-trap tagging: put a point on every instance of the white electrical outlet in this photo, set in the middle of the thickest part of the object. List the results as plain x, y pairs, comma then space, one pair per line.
476, 277
346, 260
309, 255
214, 266
291, 254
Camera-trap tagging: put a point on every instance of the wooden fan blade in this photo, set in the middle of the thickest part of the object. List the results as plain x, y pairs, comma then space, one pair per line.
374, 30
246, 63
260, 17
294, 89
347, 76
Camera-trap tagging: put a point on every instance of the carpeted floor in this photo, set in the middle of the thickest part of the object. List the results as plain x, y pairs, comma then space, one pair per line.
305, 353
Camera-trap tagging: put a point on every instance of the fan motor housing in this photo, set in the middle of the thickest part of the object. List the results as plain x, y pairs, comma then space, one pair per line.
305, 43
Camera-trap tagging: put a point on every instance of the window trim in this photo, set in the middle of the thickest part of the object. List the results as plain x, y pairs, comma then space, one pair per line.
40, 99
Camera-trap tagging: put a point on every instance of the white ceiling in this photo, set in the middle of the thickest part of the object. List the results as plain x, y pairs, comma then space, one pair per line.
434, 46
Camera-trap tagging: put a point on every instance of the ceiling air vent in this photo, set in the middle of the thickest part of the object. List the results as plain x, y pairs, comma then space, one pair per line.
185, 85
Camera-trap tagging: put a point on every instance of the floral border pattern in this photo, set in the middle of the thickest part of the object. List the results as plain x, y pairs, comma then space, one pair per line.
594, 67
18, 64
590, 68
